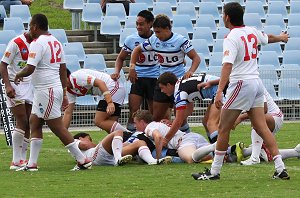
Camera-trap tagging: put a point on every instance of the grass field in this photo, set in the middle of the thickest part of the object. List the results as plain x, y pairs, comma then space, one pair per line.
135, 180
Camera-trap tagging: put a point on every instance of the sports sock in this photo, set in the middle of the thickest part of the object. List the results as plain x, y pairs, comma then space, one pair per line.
218, 162
247, 151
257, 142
75, 151
116, 146
24, 148
35, 147
279, 165
214, 136
117, 126
288, 153
202, 152
145, 154
185, 128
17, 142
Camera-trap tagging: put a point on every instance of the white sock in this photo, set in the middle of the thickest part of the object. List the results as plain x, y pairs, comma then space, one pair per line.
257, 142
75, 151
117, 126
24, 148
145, 154
17, 143
279, 165
247, 151
203, 151
288, 153
218, 162
116, 146
35, 147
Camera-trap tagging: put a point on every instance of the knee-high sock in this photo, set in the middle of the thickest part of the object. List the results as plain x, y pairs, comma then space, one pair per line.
257, 142
76, 152
17, 141
203, 151
116, 146
35, 147
145, 154
24, 149
213, 136
279, 165
218, 162
117, 126
288, 153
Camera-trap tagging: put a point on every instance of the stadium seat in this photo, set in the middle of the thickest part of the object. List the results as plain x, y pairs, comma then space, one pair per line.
75, 7
218, 45
186, 8
21, 11
290, 71
148, 2
294, 31
201, 68
209, 8
111, 26
92, 1
72, 62
183, 21
91, 14
206, 20
7, 3
2, 49
195, 2
162, 8
215, 70
272, 47
292, 44
181, 30
116, 9
60, 34
293, 19
219, 3
268, 83
268, 58
290, 66
255, 7
201, 46
14, 23
222, 32
86, 100
286, 2
130, 22
95, 62
74, 48
268, 72
215, 59
253, 19
124, 33
294, 7
291, 57
288, 89
173, 3
275, 19
272, 29
241, 2
203, 33
277, 7
2, 12
6, 36
135, 8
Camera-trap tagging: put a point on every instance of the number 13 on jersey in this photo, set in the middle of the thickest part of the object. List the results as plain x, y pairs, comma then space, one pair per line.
55, 48
250, 44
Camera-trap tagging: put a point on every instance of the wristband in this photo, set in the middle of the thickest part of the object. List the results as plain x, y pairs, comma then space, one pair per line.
106, 93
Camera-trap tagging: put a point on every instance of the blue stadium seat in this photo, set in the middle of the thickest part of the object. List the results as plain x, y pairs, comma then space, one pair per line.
291, 57
203, 33
206, 20
92, 1
269, 85
21, 11
268, 72
294, 31
86, 100
6, 36
215, 59
255, 7
290, 71
253, 19
148, 2
7, 3
74, 48
268, 58
124, 33
183, 21
111, 26
294, 7
201, 68
130, 21
293, 19
201, 46
272, 47
214, 70
241, 2
173, 3
72, 62
2, 12
195, 2
2, 49
277, 7
292, 44
59, 34
135, 8
272, 29
116, 9
209, 8
288, 89
275, 19
95, 62
222, 32
286, 2
186, 8
290, 67
218, 45
181, 30
75, 7
218, 2
162, 8
14, 23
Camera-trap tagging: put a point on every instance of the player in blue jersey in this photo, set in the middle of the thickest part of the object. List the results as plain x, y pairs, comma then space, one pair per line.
147, 66
170, 49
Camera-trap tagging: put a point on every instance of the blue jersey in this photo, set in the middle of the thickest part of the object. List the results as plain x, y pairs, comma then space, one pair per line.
147, 65
170, 53
186, 90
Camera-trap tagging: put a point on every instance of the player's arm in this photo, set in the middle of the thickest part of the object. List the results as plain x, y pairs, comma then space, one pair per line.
282, 37
158, 141
192, 54
107, 96
225, 73
27, 71
132, 76
119, 64
10, 91
63, 79
208, 84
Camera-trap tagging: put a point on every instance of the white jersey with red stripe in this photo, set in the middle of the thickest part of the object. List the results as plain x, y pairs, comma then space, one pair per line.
240, 48
16, 55
46, 54
83, 80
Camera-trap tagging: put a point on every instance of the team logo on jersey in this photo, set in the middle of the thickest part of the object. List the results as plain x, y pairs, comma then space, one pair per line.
145, 44
22, 64
157, 45
186, 45
226, 53
136, 43
89, 80
32, 55
7, 54
142, 58
41, 108
24, 51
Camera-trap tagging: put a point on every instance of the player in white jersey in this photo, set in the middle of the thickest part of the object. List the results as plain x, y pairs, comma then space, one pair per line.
147, 67
19, 97
245, 90
171, 49
90, 82
46, 62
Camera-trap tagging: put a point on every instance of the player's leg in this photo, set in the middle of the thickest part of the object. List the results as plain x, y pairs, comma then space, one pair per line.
160, 111
213, 122
135, 102
185, 153
201, 153
27, 133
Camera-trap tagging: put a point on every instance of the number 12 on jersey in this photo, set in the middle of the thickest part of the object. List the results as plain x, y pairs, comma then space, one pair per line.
252, 49
55, 46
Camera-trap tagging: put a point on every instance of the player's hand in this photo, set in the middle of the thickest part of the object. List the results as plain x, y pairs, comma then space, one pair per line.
18, 79
110, 109
132, 76
10, 91
115, 76
219, 100
166, 121
188, 74
284, 37
65, 103
203, 85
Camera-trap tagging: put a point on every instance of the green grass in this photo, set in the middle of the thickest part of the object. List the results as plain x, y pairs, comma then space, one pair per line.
135, 180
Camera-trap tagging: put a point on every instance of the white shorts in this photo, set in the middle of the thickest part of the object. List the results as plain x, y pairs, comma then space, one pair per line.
117, 92
47, 103
278, 118
244, 95
192, 139
102, 157
24, 94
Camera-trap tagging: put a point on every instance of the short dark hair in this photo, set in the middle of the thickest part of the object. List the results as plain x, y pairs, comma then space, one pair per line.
143, 115
162, 21
235, 12
41, 21
147, 15
167, 77
81, 135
